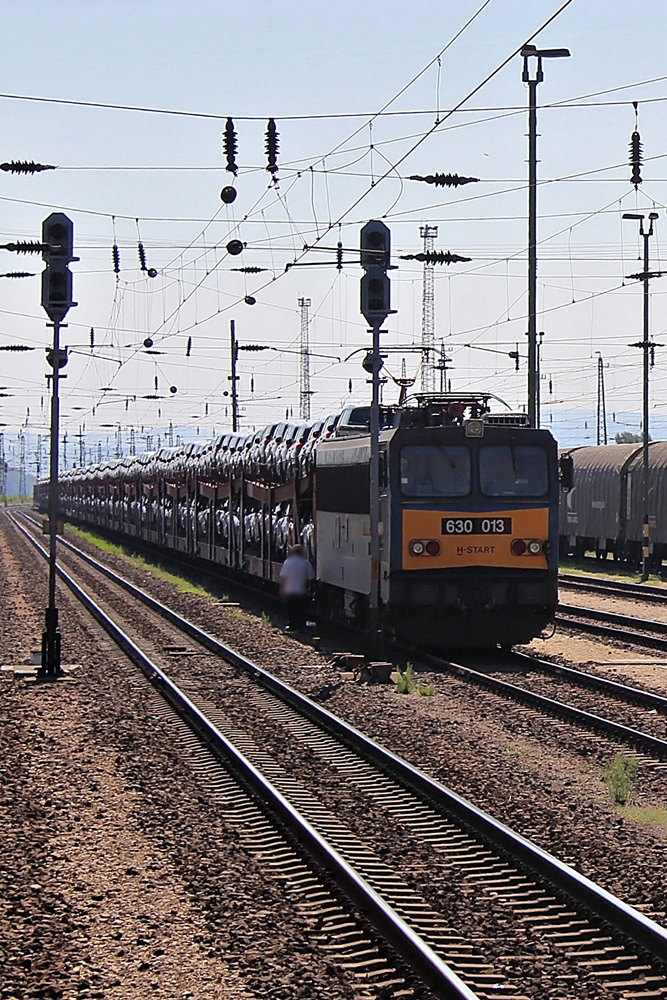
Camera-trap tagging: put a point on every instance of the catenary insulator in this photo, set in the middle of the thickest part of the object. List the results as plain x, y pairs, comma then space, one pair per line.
229, 146
271, 146
636, 158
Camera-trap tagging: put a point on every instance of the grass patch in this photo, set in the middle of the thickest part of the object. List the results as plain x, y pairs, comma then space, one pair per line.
183, 585
646, 815
620, 777
609, 569
100, 543
513, 752
406, 681
425, 690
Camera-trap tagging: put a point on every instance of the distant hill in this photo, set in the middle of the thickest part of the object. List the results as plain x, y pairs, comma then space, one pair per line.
13, 483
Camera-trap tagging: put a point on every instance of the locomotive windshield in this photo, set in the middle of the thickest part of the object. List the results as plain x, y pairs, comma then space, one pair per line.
435, 471
513, 471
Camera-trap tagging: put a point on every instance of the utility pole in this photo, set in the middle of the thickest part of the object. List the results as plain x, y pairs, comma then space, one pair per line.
38, 458
601, 408
58, 253
532, 52
233, 378
648, 349
428, 233
304, 361
538, 377
442, 367
82, 446
3, 470
23, 489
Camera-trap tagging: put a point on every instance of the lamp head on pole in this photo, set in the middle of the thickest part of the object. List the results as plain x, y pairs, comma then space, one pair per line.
529, 51
639, 216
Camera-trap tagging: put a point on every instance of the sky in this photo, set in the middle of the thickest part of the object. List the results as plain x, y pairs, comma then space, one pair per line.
363, 97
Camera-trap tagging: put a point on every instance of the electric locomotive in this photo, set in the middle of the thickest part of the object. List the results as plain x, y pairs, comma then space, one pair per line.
468, 515
468, 525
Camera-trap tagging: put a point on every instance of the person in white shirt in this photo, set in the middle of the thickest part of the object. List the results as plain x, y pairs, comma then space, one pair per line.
296, 577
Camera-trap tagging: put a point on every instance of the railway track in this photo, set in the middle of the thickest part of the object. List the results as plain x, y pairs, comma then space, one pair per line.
614, 588
589, 932
639, 706
617, 627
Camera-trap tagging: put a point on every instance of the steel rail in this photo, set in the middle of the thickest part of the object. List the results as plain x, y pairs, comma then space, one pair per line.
625, 918
619, 587
621, 629
425, 963
624, 621
618, 732
614, 688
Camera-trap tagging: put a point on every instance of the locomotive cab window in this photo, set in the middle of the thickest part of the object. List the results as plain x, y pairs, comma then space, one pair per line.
513, 471
435, 471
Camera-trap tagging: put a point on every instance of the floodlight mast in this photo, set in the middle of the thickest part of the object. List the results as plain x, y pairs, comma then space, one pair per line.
532, 52
648, 347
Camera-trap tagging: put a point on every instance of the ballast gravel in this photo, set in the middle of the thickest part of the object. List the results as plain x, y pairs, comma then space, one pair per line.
118, 878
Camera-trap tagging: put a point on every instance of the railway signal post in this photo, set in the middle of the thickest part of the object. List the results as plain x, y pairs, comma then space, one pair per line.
57, 252
375, 245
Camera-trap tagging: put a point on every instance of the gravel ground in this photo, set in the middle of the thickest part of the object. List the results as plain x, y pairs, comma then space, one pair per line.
542, 777
118, 878
121, 880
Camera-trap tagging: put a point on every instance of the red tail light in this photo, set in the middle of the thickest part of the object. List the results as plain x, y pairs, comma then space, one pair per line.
433, 547
519, 547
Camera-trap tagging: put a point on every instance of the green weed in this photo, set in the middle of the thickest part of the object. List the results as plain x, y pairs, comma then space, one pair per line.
426, 690
620, 777
406, 682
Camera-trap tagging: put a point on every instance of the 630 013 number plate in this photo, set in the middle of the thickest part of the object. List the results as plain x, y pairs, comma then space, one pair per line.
477, 525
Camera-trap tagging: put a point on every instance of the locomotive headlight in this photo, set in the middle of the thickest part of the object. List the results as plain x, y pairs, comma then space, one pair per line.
534, 547
416, 547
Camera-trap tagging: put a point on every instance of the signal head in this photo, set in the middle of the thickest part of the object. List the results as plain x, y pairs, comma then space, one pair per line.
375, 241
375, 296
58, 237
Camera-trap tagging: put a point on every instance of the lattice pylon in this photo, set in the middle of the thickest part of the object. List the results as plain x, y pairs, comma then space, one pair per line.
304, 360
428, 234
